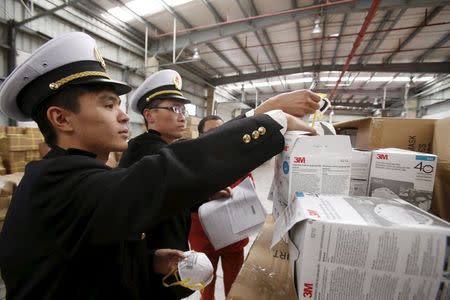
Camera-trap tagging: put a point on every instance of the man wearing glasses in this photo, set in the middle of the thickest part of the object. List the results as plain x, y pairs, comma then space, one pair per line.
161, 103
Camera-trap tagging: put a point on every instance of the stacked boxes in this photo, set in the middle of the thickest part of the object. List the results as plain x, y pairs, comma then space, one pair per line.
18, 146
8, 184
191, 131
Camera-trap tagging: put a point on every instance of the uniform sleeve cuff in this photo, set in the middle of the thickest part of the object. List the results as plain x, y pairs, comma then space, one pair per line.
280, 117
250, 113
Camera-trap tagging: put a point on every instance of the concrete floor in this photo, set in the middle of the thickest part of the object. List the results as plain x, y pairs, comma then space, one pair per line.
263, 179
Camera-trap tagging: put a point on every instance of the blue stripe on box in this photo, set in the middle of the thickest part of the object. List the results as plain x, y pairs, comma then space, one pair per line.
425, 157
299, 194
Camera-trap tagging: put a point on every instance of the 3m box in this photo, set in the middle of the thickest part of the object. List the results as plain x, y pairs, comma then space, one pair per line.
316, 164
343, 247
396, 173
374, 133
359, 175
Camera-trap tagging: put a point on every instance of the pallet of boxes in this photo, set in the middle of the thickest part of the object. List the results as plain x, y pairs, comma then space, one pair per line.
356, 219
18, 146
191, 131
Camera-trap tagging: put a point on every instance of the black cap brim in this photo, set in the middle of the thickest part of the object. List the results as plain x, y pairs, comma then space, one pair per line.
120, 87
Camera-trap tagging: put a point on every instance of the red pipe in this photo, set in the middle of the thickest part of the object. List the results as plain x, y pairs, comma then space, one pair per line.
370, 15
280, 13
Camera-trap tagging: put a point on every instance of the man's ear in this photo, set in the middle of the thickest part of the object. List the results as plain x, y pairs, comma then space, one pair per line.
147, 113
60, 118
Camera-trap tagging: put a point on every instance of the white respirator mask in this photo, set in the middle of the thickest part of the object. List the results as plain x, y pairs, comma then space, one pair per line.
194, 272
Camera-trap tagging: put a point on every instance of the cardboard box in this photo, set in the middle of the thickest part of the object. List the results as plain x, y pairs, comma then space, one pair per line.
15, 130
192, 121
359, 175
441, 147
17, 166
343, 247
317, 164
2, 217
374, 133
266, 272
16, 142
397, 173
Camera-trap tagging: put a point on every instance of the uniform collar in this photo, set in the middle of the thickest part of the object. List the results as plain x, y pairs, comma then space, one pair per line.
151, 131
58, 151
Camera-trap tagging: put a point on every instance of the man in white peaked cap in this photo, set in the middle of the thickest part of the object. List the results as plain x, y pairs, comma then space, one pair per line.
75, 228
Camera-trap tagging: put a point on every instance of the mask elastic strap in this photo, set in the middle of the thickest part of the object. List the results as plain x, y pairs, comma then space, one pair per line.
184, 283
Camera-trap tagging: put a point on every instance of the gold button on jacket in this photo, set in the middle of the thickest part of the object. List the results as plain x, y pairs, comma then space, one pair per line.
246, 138
255, 134
262, 130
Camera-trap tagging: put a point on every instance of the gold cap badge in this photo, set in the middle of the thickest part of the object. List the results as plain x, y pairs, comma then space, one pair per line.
99, 57
177, 81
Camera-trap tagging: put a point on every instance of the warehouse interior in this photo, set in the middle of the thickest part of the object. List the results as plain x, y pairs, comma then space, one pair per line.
388, 58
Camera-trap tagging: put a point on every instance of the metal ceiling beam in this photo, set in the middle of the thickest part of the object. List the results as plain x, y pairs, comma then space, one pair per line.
338, 42
93, 10
219, 18
230, 28
138, 17
369, 44
415, 32
324, 29
256, 33
299, 34
188, 25
438, 67
224, 58
393, 94
45, 13
392, 25
254, 12
438, 44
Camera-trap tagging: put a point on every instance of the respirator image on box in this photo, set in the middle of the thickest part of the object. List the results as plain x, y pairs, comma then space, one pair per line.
194, 272
384, 192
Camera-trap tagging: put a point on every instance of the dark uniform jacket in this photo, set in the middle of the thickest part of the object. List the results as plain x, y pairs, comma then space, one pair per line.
173, 231
74, 226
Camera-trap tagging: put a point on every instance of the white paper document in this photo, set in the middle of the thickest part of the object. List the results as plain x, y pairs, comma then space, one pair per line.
226, 221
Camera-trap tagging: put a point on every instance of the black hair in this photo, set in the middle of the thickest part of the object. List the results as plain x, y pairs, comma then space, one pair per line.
67, 98
201, 124
151, 104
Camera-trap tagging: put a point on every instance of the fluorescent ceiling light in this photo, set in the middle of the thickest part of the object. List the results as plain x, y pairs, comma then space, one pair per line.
334, 35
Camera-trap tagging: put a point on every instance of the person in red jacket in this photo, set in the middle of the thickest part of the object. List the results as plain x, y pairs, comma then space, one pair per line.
232, 256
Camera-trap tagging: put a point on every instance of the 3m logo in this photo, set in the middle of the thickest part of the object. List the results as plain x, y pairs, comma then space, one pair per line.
313, 213
299, 160
383, 156
308, 290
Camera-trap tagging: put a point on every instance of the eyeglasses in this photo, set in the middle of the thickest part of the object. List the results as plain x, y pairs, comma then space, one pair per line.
176, 109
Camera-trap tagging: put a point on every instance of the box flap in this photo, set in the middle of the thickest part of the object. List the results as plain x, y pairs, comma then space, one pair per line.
441, 140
